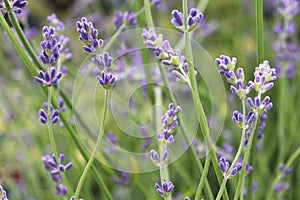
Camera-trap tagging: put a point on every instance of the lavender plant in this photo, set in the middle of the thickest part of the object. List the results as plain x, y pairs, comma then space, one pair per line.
232, 168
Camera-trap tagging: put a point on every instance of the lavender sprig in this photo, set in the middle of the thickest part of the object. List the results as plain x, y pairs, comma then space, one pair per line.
193, 19
127, 18
16, 5
165, 188
88, 35
176, 62
169, 124
286, 47
56, 168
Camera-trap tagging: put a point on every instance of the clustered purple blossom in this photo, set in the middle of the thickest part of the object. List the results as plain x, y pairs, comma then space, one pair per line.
60, 37
193, 19
286, 47
176, 62
48, 78
224, 166
264, 76
165, 188
16, 5
56, 169
283, 186
89, 35
169, 123
3, 194
127, 18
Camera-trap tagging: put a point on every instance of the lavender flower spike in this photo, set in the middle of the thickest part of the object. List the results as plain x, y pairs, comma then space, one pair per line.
106, 80
16, 5
88, 35
48, 78
44, 117
192, 20
165, 188
127, 18
50, 46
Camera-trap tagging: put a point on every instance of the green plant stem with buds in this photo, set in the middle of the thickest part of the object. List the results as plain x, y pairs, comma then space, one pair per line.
97, 145
199, 108
170, 95
290, 161
240, 186
31, 67
237, 155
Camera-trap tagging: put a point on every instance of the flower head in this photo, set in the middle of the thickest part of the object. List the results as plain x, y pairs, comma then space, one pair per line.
107, 80
48, 78
16, 5
127, 18
88, 35
165, 188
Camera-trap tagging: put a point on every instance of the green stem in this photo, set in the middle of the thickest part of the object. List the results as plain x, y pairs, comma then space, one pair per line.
148, 13
33, 71
259, 30
98, 142
281, 174
199, 108
240, 186
237, 156
282, 117
203, 178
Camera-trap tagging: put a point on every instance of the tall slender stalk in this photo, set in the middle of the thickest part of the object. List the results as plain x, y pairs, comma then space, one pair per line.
290, 161
199, 108
97, 145
260, 52
237, 155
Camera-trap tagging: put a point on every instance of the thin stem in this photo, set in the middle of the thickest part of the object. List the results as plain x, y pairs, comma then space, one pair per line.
237, 155
259, 30
98, 142
240, 187
203, 177
281, 174
199, 108
282, 117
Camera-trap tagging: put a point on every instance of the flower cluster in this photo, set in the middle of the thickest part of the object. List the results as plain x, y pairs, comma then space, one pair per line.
48, 78
176, 62
62, 39
285, 47
127, 18
16, 5
56, 169
264, 76
193, 19
88, 35
235, 78
3, 194
224, 166
165, 188
44, 118
283, 186
169, 123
